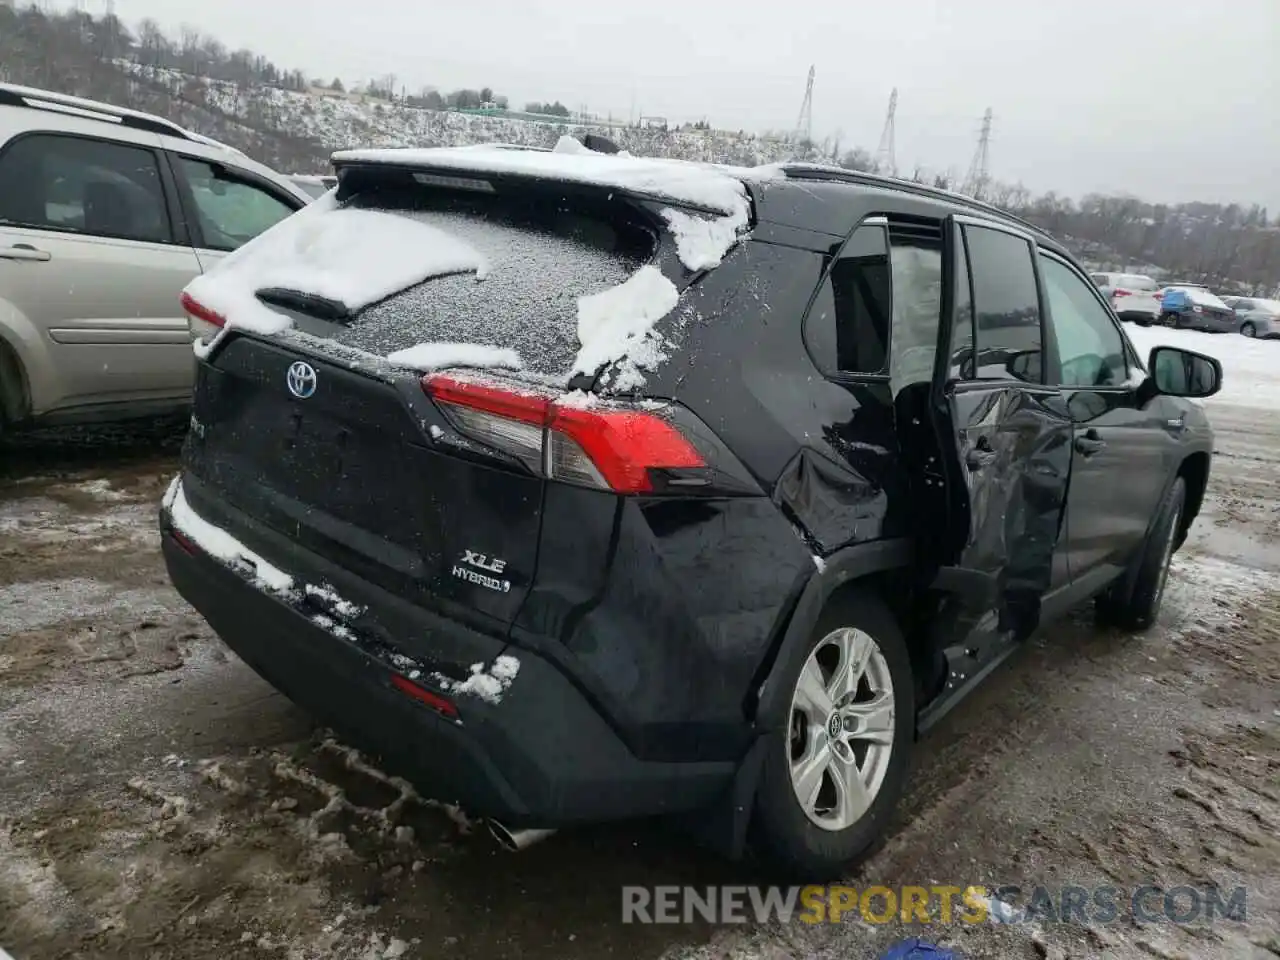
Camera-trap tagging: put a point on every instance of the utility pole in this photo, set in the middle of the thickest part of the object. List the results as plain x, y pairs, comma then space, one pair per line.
975, 184
804, 123
886, 158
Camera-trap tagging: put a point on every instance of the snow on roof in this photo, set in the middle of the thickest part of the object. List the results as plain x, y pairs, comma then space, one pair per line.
356, 257
1201, 296
690, 184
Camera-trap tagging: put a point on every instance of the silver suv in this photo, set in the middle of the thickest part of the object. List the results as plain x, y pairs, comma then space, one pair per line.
105, 215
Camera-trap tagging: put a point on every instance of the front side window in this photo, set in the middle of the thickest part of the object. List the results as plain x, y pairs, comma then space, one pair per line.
77, 185
231, 212
1006, 306
1090, 348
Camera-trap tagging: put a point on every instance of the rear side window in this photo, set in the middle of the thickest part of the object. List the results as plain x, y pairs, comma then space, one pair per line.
84, 186
878, 311
848, 324
1006, 306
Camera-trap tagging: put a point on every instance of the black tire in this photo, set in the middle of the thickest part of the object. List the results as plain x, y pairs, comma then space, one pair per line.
1134, 602
783, 838
1248, 330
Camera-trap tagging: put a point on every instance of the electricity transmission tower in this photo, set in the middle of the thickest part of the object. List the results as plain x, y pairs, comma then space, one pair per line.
886, 160
804, 123
975, 183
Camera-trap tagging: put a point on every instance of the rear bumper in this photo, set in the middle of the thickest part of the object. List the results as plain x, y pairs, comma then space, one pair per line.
542, 756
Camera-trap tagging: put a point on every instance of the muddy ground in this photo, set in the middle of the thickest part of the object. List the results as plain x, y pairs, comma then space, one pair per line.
157, 800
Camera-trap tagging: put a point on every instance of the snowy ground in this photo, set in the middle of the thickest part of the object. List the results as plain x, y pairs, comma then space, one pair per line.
157, 800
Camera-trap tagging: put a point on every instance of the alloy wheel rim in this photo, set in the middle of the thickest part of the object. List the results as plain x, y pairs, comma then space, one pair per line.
841, 728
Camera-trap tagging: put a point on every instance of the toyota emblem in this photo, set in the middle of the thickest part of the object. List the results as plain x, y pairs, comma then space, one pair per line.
301, 380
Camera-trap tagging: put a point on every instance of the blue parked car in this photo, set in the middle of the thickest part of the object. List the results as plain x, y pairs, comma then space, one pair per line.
1195, 308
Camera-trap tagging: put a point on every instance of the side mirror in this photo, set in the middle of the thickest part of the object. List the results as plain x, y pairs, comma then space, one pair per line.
1025, 365
1181, 373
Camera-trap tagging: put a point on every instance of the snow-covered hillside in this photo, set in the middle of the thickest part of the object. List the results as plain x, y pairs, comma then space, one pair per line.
337, 122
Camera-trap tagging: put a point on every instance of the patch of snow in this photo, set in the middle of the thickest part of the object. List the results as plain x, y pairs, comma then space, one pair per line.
100, 489
702, 242
356, 257
568, 144
221, 545
578, 400
488, 685
619, 322
325, 593
438, 356
202, 348
698, 185
1000, 912
506, 668
436, 432
1202, 297
341, 631
820, 563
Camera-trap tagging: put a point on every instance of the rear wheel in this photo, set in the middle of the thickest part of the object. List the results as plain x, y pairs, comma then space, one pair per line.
828, 790
1134, 602
1249, 330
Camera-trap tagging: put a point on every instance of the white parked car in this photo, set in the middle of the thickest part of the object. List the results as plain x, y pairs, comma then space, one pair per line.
1133, 296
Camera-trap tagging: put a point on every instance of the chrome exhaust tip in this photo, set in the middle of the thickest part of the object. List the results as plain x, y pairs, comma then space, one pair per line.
517, 840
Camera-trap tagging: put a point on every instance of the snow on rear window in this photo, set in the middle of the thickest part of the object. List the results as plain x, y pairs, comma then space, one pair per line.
619, 322
353, 256
439, 356
528, 302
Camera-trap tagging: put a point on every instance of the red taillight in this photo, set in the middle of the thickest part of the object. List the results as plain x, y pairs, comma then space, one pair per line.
182, 541
422, 695
607, 447
199, 311
623, 445
1121, 293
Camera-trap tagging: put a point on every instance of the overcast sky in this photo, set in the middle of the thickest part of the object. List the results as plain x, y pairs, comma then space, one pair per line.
1166, 99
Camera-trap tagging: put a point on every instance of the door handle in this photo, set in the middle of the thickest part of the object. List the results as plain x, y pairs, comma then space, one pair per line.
24, 251
1090, 443
979, 455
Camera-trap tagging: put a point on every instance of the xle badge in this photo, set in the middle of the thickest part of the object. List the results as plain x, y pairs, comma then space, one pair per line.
470, 566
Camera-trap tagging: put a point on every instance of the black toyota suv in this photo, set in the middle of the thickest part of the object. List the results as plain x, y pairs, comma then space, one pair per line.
861, 460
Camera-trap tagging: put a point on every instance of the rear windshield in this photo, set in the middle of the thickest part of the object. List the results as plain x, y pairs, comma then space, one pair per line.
544, 250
